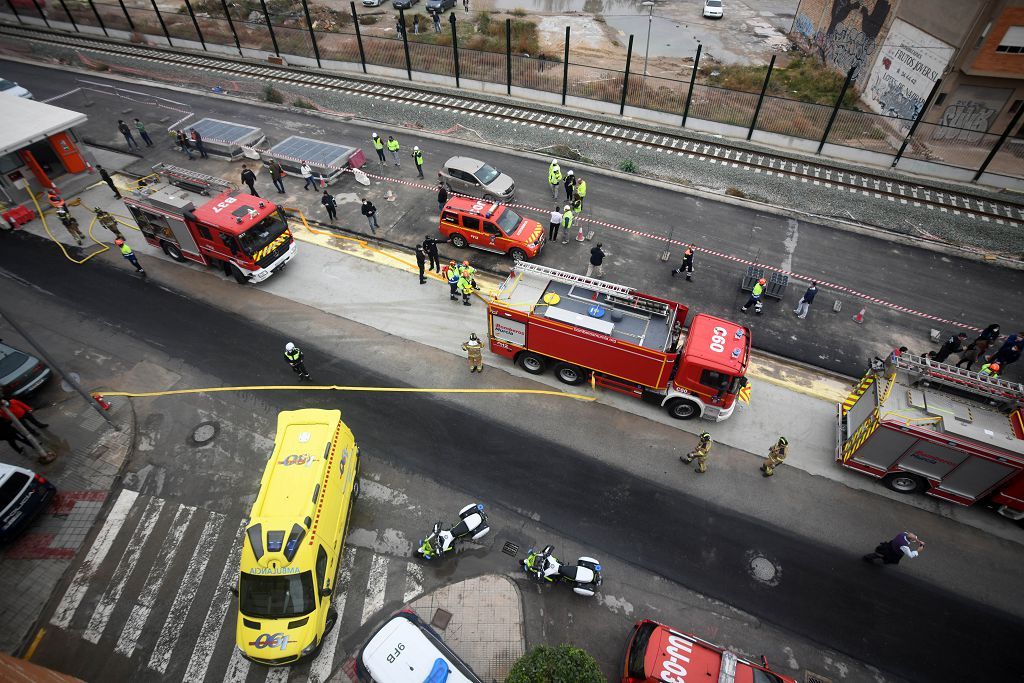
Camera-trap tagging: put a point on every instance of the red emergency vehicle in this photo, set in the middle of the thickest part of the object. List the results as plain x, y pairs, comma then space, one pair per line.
246, 236
659, 654
626, 341
923, 426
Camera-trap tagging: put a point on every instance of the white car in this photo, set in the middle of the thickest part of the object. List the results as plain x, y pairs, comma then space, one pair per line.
372, 3
11, 88
713, 9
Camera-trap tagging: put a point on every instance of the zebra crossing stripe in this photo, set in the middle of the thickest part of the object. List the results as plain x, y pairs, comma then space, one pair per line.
140, 612
279, 674
320, 669
161, 656
413, 582
199, 662
375, 586
101, 615
238, 668
93, 559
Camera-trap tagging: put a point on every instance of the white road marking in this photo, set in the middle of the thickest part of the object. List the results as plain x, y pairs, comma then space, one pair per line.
320, 668
101, 615
375, 586
161, 656
278, 674
237, 671
97, 553
413, 582
140, 613
789, 244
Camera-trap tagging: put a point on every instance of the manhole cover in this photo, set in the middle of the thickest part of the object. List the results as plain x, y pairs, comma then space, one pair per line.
763, 569
205, 432
510, 548
66, 386
441, 619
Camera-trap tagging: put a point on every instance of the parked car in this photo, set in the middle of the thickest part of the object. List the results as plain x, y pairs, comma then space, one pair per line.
11, 88
20, 373
471, 176
23, 495
713, 9
439, 5
372, 3
403, 4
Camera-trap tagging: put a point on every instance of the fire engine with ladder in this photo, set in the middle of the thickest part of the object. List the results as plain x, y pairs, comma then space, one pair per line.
197, 217
923, 426
619, 338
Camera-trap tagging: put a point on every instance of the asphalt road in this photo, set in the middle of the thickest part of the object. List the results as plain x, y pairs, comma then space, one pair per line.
903, 628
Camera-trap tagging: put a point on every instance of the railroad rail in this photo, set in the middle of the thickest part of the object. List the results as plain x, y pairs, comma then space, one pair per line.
880, 187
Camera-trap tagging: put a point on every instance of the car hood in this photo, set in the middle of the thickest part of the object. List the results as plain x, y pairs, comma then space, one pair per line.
528, 231
503, 184
275, 638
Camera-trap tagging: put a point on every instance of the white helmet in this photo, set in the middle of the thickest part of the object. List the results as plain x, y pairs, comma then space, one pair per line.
289, 347
375, 135
566, 208
415, 149
570, 172
554, 161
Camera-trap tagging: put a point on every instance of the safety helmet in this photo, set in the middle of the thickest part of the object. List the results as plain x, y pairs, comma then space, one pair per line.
762, 281
570, 172
289, 347
452, 262
993, 367
566, 208
465, 263
472, 335
375, 135
119, 241
784, 441
554, 161
704, 436
415, 149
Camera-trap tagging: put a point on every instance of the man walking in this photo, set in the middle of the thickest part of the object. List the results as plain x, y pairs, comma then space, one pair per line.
554, 177
776, 456
307, 174
129, 255
442, 196
567, 219
417, 158
430, 247
437, 22
197, 140
954, 344
276, 175
755, 297
23, 413
127, 133
596, 259
1007, 356
370, 211
554, 223
331, 204
71, 223
687, 265
804, 305
891, 552
700, 452
109, 181
13, 437
421, 262
393, 147
474, 350
249, 178
293, 354
451, 273
108, 222
378, 145
141, 127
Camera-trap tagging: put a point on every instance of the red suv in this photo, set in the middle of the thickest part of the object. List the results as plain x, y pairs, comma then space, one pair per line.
492, 227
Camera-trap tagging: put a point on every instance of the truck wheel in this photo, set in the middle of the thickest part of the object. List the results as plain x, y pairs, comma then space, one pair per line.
517, 254
458, 241
569, 374
239, 276
903, 482
173, 251
532, 363
682, 409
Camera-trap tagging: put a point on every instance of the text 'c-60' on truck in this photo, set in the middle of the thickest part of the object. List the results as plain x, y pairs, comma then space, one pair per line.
625, 341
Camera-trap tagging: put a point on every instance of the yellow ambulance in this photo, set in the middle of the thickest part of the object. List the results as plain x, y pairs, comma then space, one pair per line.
294, 538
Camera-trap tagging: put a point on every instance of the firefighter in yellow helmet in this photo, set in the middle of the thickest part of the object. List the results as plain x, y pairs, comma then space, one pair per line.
700, 452
776, 456
474, 348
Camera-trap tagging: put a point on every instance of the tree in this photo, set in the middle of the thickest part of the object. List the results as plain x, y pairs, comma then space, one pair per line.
561, 664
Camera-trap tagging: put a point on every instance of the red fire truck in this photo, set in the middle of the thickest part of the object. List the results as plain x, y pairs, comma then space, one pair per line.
246, 236
923, 426
626, 341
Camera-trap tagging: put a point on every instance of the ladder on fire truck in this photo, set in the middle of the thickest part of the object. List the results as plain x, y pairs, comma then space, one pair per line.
616, 293
193, 181
999, 391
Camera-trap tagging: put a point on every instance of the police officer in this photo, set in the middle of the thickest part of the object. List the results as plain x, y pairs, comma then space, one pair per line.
554, 177
567, 219
109, 222
127, 252
755, 297
421, 260
417, 157
378, 145
393, 148
465, 286
776, 456
474, 349
430, 246
700, 452
451, 273
293, 354
687, 265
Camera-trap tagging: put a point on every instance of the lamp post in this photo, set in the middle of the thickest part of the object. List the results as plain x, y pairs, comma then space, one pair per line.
650, 17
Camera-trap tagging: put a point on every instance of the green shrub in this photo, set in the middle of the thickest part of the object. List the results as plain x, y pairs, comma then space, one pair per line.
562, 664
271, 94
304, 104
628, 166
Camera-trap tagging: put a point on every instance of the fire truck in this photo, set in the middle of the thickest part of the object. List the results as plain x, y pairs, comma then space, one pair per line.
923, 426
621, 339
197, 217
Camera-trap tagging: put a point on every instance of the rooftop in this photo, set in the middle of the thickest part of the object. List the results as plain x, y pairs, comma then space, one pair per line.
27, 121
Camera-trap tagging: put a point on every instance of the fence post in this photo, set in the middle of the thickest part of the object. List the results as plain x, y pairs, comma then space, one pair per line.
41, 13
999, 143
199, 31
405, 42
68, 12
359, 35
99, 19
227, 15
312, 34
693, 79
10, 3
455, 48
760, 100
835, 109
565, 66
917, 121
160, 18
508, 55
625, 77
270, 27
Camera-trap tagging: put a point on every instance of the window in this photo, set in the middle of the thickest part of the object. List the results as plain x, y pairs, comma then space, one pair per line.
940, 99
321, 567
1015, 106
276, 597
450, 217
462, 175
716, 380
205, 232
1013, 41
471, 223
491, 228
12, 488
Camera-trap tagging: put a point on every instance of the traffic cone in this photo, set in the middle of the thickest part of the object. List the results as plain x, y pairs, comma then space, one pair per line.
859, 318
101, 401
579, 235
88, 167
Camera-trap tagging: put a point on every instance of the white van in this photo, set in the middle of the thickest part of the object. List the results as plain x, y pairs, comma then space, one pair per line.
406, 650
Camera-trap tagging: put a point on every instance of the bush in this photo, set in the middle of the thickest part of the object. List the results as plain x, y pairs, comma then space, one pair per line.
628, 166
304, 104
368, 19
271, 94
562, 664
803, 78
518, 12
735, 192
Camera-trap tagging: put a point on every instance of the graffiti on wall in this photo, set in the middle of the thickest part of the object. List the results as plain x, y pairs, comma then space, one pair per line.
970, 112
908, 64
850, 37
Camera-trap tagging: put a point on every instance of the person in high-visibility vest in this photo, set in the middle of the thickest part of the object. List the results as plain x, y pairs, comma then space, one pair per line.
393, 148
465, 287
378, 145
554, 177
700, 452
451, 273
755, 296
990, 369
129, 255
581, 192
776, 456
417, 157
567, 219
293, 354
474, 349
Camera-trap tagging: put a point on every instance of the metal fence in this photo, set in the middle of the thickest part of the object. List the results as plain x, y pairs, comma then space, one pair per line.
292, 35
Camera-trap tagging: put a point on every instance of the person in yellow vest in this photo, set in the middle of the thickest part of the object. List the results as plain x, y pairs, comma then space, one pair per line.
474, 349
554, 177
129, 255
465, 287
451, 274
755, 297
393, 148
990, 369
417, 158
469, 271
378, 145
776, 456
567, 219
581, 193
700, 452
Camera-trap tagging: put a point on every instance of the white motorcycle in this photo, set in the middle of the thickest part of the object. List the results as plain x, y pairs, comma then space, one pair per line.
584, 576
439, 542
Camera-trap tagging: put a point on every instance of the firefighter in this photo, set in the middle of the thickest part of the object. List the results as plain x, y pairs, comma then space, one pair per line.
990, 369
700, 452
554, 177
755, 297
71, 223
451, 273
465, 286
109, 222
776, 456
474, 348
293, 354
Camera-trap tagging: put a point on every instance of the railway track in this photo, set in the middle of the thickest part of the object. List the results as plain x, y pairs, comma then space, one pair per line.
877, 187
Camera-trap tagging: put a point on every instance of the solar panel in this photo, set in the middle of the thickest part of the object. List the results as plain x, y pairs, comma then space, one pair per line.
316, 152
215, 129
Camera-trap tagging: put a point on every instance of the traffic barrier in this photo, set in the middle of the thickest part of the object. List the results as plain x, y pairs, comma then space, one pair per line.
859, 318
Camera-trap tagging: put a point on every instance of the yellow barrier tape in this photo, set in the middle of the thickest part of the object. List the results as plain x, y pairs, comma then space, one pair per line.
391, 390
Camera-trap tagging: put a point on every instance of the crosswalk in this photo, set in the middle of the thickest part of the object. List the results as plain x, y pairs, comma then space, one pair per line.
152, 597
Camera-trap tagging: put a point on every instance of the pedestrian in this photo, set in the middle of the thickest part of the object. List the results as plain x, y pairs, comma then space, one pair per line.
554, 177
437, 21
442, 196
474, 350
1006, 356
567, 219
183, 143
776, 456
129, 255
554, 223
249, 178
370, 211
141, 127
990, 369
1013, 339
417, 158
109, 222
71, 223
465, 5
421, 262
954, 344
465, 286
393, 147
23, 412
399, 27
416, 24
891, 552
569, 181
989, 334
687, 265
755, 297
804, 305
378, 145
331, 204
971, 354
13, 437
451, 273
197, 141
109, 181
307, 174
596, 259
430, 248
127, 133
701, 452
276, 175
293, 354
580, 193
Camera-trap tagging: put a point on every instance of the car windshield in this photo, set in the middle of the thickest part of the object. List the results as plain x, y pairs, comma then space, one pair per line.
11, 361
5, 84
508, 221
765, 677
12, 488
276, 597
263, 233
714, 3
487, 174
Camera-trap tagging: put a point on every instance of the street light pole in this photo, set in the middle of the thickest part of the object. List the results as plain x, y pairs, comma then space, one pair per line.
650, 18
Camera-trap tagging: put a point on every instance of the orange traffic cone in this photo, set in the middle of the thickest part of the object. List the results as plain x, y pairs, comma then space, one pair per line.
579, 235
859, 318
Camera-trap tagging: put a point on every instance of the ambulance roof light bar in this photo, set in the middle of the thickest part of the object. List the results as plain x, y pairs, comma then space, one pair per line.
193, 181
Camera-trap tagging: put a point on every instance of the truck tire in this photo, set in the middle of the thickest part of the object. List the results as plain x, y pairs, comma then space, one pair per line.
238, 275
568, 373
533, 363
173, 251
904, 482
517, 254
458, 241
682, 409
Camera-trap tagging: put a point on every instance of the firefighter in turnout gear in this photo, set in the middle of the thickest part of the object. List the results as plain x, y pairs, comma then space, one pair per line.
109, 222
700, 452
776, 456
474, 348
293, 354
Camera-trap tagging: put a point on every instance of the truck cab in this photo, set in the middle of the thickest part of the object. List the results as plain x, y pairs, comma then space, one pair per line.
711, 369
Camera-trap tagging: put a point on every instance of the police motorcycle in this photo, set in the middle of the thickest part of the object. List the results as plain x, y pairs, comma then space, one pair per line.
439, 542
584, 576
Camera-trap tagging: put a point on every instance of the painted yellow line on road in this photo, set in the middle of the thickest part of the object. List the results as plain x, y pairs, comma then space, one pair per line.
314, 387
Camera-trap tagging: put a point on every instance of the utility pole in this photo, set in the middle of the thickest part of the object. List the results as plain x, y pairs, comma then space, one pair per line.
45, 456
